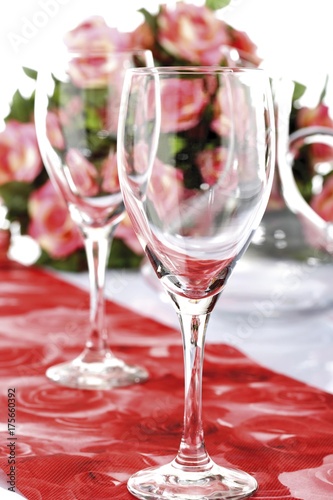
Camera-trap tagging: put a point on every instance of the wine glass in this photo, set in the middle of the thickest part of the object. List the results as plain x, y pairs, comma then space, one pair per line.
195, 158
76, 115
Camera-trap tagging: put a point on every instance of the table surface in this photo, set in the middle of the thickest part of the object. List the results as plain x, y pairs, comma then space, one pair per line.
71, 444
278, 313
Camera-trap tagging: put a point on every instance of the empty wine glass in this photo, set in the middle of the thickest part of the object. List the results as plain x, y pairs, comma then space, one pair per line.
76, 115
195, 159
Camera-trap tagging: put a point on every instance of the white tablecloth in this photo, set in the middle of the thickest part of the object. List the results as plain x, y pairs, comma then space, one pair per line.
280, 314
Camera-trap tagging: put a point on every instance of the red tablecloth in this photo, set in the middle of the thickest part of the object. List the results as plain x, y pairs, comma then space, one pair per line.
71, 444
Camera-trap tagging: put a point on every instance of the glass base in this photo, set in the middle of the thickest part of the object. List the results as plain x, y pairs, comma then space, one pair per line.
171, 482
106, 374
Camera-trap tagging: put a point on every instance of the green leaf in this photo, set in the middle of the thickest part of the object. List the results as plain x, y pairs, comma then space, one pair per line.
324, 91
149, 18
93, 119
177, 143
15, 195
298, 91
75, 262
31, 73
122, 257
217, 4
98, 98
22, 108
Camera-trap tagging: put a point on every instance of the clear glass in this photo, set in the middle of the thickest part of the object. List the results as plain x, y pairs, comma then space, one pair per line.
281, 248
317, 230
195, 158
76, 115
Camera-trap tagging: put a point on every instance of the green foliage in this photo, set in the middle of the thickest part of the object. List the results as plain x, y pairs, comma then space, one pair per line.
150, 19
31, 73
122, 256
324, 91
217, 4
22, 108
298, 91
75, 262
15, 195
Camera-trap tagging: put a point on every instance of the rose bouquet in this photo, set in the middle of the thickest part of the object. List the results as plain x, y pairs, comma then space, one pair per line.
183, 34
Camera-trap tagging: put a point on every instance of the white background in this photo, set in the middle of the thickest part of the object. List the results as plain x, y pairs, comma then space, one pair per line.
295, 37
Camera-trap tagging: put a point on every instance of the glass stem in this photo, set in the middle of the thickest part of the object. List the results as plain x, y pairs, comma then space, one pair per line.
192, 452
97, 242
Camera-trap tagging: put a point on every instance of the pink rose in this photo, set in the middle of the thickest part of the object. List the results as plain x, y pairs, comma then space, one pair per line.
143, 37
110, 174
246, 49
95, 35
51, 225
322, 203
168, 182
311, 484
320, 115
220, 124
102, 70
94, 40
211, 163
222, 120
192, 33
82, 172
54, 132
314, 116
20, 159
125, 232
89, 71
240, 129
182, 103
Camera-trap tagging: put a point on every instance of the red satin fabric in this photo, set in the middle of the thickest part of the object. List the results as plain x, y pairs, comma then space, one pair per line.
73, 444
